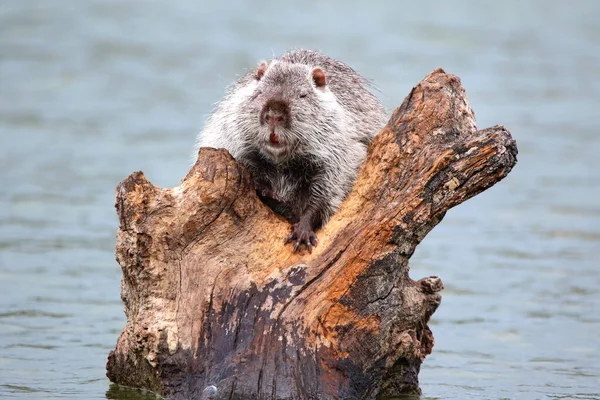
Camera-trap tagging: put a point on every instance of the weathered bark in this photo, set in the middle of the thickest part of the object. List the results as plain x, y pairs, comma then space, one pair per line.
214, 297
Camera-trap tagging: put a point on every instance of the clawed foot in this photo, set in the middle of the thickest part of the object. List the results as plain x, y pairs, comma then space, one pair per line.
302, 233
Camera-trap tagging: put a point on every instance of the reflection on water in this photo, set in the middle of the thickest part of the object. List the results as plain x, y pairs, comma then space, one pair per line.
95, 89
116, 392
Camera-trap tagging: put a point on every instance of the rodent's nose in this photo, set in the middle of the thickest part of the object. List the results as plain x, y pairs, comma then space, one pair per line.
274, 119
275, 113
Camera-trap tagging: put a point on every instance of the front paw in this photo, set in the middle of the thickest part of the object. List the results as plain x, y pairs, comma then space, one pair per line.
303, 233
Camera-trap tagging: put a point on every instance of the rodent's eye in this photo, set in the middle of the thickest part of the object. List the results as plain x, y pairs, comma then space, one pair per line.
303, 95
256, 94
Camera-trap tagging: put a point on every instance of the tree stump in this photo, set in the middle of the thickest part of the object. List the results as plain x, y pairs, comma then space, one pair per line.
214, 299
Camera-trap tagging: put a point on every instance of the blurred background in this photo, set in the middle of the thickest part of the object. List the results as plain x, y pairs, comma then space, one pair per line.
92, 90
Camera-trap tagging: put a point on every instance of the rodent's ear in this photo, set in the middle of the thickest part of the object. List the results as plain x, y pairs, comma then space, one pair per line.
319, 78
260, 71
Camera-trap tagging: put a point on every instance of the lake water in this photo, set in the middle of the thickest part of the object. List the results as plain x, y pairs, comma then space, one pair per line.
92, 90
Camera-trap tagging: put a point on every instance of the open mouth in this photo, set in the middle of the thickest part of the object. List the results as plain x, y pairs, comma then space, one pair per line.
274, 140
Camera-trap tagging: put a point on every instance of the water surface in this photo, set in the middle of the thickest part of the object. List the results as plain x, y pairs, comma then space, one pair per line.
92, 90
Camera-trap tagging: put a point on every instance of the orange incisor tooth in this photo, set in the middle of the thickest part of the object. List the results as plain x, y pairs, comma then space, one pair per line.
274, 138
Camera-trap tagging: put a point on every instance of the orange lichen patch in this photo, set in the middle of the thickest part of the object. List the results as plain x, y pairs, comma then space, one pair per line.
341, 316
337, 315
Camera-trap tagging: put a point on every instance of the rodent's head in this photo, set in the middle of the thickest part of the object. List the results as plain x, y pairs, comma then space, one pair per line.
292, 107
